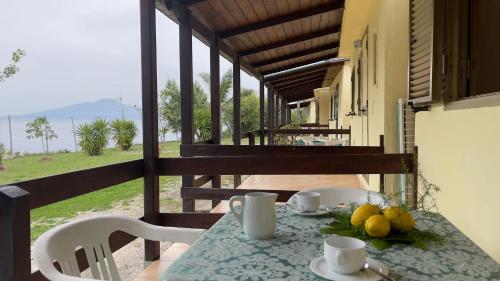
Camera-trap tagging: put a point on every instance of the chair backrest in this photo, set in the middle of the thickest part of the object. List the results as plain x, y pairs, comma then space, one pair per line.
92, 234
332, 197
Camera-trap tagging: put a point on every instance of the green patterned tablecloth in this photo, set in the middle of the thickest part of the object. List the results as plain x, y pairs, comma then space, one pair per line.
225, 253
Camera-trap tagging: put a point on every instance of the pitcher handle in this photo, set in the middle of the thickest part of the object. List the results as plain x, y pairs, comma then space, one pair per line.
238, 215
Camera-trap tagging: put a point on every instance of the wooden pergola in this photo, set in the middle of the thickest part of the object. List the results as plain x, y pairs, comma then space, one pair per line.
275, 42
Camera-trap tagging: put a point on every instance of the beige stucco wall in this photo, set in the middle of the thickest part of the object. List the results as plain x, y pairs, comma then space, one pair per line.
464, 164
323, 95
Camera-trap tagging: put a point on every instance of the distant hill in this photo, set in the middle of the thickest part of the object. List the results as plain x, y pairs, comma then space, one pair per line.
104, 108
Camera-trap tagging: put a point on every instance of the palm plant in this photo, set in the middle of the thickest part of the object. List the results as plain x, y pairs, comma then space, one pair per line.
93, 136
123, 133
202, 124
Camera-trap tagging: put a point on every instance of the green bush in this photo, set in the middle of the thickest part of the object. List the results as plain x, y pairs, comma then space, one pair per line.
123, 133
93, 136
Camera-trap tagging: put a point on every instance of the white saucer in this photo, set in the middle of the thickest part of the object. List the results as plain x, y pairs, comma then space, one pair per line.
320, 212
318, 265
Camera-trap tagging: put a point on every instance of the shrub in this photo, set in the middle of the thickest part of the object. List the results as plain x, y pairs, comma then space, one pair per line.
2, 151
93, 136
123, 133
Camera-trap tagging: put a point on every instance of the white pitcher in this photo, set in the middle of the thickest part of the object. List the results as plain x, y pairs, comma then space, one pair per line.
257, 215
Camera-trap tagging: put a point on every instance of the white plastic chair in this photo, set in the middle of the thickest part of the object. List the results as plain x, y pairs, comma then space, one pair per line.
332, 197
92, 234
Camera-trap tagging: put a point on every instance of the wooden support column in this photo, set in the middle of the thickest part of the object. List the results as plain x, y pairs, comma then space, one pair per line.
276, 111
270, 114
215, 105
15, 263
186, 77
283, 111
288, 115
261, 112
236, 110
150, 123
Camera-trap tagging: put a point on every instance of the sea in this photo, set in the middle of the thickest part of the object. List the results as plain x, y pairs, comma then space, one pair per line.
66, 139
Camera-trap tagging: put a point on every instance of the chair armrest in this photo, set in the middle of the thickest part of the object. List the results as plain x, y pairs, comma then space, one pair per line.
159, 233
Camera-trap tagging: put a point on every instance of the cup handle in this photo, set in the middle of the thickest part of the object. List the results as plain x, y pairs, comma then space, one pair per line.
238, 215
293, 201
339, 257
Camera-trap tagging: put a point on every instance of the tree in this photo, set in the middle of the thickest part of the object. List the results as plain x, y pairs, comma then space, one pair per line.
40, 128
2, 152
170, 109
123, 133
93, 136
249, 112
12, 68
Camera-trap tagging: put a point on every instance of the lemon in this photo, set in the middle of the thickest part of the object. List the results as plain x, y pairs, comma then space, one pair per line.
399, 218
377, 226
362, 213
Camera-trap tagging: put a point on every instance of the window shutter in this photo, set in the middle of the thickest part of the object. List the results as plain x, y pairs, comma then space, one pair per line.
421, 51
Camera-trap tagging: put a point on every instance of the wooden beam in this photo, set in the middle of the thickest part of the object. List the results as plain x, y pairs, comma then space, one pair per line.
15, 249
186, 78
310, 131
298, 72
226, 194
292, 40
295, 80
330, 46
236, 111
150, 122
270, 108
215, 104
261, 112
190, 220
281, 19
304, 96
315, 81
299, 64
289, 165
300, 90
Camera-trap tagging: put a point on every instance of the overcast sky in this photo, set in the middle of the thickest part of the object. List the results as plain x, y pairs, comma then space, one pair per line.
84, 51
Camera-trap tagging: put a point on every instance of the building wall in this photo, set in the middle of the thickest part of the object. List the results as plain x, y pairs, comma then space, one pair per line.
464, 164
324, 96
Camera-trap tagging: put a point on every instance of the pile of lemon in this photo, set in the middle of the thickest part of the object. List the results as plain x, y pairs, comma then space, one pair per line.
378, 223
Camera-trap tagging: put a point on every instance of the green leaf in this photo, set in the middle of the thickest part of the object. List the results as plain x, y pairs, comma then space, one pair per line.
380, 244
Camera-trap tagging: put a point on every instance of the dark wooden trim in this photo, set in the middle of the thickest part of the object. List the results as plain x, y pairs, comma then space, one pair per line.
299, 64
309, 86
204, 142
52, 189
310, 131
190, 220
329, 46
201, 180
270, 113
150, 121
300, 97
382, 177
244, 150
215, 104
288, 164
226, 194
15, 249
281, 19
306, 125
261, 112
414, 171
186, 79
302, 105
236, 111
292, 40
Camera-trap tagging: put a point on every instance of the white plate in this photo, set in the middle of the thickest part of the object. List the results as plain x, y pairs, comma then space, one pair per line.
318, 265
319, 212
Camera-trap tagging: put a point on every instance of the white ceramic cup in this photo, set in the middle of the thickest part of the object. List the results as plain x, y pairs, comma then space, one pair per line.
306, 201
344, 255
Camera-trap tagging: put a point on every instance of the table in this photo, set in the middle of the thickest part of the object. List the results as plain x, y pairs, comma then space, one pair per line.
225, 253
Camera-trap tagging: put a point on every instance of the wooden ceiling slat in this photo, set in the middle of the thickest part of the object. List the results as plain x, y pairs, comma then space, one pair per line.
298, 73
296, 54
298, 90
293, 80
316, 80
293, 40
281, 19
300, 97
302, 63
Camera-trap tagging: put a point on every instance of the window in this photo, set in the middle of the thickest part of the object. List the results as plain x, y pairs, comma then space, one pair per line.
453, 50
353, 92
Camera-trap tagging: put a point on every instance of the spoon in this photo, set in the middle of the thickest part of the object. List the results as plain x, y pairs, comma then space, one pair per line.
366, 267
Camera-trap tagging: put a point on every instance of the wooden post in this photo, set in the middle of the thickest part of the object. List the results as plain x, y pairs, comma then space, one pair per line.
415, 178
270, 114
150, 123
382, 177
236, 110
283, 111
261, 112
251, 138
288, 115
276, 111
15, 262
215, 105
186, 78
